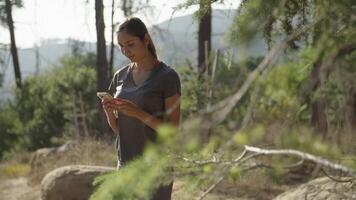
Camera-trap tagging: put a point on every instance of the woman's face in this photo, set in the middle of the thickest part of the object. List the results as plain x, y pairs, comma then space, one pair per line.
132, 47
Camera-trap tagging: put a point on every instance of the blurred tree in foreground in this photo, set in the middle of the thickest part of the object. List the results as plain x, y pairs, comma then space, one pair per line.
331, 43
307, 76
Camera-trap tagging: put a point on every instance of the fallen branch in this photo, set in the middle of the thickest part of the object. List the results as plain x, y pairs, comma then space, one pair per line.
303, 156
255, 151
337, 179
215, 160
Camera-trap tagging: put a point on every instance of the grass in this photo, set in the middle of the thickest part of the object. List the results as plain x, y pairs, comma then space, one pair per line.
88, 151
14, 170
256, 184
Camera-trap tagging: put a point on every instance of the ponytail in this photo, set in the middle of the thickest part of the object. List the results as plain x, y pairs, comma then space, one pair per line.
151, 47
135, 27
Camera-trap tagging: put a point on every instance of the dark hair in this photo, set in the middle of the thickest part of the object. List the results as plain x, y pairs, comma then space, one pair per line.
135, 27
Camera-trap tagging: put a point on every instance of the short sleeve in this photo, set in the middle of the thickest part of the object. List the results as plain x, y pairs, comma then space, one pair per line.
112, 86
172, 85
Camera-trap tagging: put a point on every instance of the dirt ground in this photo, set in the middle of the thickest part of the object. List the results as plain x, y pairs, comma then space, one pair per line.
18, 189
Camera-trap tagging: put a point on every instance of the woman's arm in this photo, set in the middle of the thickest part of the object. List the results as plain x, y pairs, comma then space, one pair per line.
172, 109
112, 121
172, 105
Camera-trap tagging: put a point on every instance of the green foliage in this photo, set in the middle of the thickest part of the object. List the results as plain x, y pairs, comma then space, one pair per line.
339, 92
234, 173
204, 7
166, 132
250, 136
254, 16
9, 123
46, 104
189, 86
200, 92
276, 19
281, 95
137, 179
44, 109
14, 170
277, 93
306, 140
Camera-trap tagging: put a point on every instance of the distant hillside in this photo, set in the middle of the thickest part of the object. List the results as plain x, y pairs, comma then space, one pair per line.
175, 40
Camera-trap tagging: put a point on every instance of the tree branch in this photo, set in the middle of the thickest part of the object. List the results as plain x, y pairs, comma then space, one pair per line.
224, 107
304, 156
255, 151
210, 188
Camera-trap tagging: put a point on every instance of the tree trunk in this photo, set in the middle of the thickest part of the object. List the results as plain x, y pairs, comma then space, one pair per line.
317, 77
318, 118
353, 115
204, 37
102, 63
126, 7
15, 58
111, 64
204, 48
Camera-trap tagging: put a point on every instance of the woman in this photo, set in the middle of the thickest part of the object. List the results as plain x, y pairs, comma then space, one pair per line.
146, 93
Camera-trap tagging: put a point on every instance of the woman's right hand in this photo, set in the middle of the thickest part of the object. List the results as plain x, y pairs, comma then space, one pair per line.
109, 110
107, 106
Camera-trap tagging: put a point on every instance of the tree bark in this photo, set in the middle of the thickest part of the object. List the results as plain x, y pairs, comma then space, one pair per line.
204, 36
353, 115
111, 63
318, 118
126, 6
204, 48
102, 63
15, 58
319, 74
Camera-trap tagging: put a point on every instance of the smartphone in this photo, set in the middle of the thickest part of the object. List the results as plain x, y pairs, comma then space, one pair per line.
104, 96
107, 96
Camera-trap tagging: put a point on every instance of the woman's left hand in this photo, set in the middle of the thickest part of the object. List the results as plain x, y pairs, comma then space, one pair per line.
126, 107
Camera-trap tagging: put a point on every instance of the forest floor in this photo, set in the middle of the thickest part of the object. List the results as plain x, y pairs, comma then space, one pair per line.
19, 181
19, 188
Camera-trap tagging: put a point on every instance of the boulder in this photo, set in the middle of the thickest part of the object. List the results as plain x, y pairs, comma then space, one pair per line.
321, 189
41, 154
69, 145
73, 182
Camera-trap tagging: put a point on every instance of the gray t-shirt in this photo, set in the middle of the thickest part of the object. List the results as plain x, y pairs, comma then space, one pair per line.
150, 96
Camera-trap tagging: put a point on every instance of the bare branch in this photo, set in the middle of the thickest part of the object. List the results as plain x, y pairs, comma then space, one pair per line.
224, 107
210, 188
215, 160
337, 179
304, 156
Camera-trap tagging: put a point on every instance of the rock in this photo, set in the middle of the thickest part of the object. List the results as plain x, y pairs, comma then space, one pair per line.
73, 182
41, 154
67, 147
321, 189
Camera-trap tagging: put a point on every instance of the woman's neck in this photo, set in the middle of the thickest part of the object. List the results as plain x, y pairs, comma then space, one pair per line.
147, 63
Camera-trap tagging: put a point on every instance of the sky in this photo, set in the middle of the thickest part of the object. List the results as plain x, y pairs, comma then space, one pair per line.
40, 20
